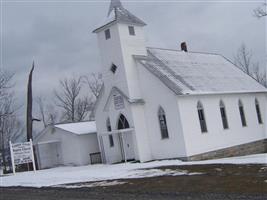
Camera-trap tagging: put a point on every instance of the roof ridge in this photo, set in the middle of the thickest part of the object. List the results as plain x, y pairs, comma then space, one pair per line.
198, 52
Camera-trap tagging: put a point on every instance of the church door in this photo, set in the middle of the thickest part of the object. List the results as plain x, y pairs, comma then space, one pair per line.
126, 139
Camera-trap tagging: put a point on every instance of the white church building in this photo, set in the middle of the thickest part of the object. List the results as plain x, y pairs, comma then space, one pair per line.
162, 103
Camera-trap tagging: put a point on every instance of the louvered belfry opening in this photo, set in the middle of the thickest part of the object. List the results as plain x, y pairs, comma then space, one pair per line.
184, 46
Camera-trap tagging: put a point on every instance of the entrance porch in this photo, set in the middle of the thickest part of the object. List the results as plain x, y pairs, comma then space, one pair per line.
124, 139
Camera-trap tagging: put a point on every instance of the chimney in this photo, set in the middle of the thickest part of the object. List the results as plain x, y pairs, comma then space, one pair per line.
183, 46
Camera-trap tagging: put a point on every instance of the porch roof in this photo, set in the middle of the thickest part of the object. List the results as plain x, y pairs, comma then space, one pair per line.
113, 132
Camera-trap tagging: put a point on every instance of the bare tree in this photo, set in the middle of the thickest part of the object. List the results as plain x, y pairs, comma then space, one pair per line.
94, 82
244, 60
5, 83
68, 97
52, 115
41, 108
10, 127
47, 112
260, 75
261, 11
83, 106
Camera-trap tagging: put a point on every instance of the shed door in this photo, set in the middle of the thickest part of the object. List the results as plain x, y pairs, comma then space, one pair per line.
49, 154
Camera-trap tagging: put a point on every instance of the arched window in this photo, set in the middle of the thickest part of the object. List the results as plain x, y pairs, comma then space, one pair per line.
258, 110
163, 123
108, 125
201, 116
123, 122
223, 115
242, 113
110, 136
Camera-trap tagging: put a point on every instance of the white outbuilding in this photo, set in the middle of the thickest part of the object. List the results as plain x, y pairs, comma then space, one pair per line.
67, 144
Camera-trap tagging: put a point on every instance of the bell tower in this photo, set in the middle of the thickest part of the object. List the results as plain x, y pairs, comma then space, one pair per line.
120, 36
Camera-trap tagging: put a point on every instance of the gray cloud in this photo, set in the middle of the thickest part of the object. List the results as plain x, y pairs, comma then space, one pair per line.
58, 35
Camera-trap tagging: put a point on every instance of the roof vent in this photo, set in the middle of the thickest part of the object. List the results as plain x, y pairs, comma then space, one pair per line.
183, 46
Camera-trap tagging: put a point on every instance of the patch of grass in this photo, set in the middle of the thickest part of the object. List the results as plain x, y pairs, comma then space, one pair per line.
225, 178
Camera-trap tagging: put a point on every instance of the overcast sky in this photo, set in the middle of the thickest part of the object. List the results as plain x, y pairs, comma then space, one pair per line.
58, 34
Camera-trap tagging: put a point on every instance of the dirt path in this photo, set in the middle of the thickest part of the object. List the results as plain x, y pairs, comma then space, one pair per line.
218, 182
101, 194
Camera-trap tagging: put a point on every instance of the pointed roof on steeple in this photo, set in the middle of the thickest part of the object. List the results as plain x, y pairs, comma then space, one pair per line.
118, 14
113, 5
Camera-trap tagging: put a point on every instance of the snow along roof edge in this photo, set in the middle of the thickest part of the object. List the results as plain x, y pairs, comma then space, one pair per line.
78, 128
65, 126
196, 73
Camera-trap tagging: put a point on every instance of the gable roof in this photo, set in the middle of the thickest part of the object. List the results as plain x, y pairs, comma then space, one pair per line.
131, 101
101, 94
197, 73
118, 14
78, 128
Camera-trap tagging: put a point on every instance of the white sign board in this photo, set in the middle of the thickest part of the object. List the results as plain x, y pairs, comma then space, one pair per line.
22, 153
118, 102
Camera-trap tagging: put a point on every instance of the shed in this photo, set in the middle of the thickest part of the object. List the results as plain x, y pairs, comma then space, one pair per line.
73, 144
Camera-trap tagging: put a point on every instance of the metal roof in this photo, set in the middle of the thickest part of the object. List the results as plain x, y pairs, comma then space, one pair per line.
197, 73
78, 128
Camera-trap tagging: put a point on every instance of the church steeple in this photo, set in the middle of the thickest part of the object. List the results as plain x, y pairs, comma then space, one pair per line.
120, 36
118, 14
113, 5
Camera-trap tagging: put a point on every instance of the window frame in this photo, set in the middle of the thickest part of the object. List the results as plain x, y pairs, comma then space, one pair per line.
113, 68
107, 34
202, 118
224, 118
122, 122
109, 129
242, 113
258, 111
131, 30
108, 125
111, 140
163, 126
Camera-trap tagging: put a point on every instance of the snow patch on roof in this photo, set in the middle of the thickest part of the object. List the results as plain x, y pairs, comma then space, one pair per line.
79, 128
197, 73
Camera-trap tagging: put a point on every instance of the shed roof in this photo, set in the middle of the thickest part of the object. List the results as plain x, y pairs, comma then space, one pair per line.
197, 73
79, 128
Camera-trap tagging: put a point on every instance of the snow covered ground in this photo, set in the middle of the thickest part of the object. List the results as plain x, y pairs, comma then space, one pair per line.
102, 173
